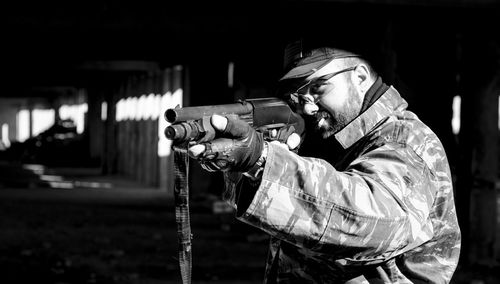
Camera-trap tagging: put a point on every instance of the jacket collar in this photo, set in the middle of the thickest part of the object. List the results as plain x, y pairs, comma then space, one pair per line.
387, 104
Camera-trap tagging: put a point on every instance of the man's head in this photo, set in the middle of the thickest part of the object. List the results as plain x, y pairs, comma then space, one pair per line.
329, 85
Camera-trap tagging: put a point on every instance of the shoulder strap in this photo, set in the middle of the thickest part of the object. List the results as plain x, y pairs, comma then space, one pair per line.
181, 196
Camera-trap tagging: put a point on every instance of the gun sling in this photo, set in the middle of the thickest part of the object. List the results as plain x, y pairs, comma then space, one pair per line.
181, 197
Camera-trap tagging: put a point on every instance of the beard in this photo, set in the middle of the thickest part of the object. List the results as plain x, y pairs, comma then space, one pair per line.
327, 124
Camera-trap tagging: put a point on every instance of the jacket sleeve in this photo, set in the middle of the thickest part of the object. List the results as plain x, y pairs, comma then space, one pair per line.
375, 209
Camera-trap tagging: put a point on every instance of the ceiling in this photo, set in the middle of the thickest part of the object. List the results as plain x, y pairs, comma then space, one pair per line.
59, 43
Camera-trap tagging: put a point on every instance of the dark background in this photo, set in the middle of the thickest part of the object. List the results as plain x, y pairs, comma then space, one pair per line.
108, 218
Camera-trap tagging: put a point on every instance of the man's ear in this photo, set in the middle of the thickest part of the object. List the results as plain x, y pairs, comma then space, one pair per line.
361, 78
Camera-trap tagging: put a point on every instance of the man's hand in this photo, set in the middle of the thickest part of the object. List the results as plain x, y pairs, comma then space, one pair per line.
238, 148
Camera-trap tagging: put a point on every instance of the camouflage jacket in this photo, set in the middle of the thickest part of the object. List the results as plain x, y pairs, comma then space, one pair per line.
383, 213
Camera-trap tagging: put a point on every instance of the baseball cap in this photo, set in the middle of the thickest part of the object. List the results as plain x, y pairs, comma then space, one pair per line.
300, 62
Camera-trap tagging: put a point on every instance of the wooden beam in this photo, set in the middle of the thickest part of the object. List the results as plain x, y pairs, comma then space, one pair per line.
425, 3
119, 65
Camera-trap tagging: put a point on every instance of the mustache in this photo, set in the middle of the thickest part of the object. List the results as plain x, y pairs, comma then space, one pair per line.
323, 115
312, 120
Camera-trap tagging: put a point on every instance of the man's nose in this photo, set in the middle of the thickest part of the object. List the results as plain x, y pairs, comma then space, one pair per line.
309, 107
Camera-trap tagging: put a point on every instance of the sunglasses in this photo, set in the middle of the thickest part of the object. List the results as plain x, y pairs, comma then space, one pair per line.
295, 98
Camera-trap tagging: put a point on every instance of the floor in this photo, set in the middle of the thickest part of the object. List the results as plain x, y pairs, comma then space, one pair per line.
75, 226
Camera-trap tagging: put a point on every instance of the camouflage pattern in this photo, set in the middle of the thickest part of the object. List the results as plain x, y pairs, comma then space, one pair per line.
383, 213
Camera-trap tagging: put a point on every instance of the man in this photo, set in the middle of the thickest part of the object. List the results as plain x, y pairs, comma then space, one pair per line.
381, 210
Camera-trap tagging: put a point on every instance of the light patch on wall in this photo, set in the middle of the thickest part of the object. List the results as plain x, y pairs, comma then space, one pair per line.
23, 125
150, 107
141, 112
104, 111
119, 110
153, 104
5, 135
143, 108
76, 113
230, 75
122, 108
147, 107
131, 108
455, 120
42, 119
168, 100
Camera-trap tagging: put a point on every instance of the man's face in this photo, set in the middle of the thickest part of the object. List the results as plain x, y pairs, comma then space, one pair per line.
331, 101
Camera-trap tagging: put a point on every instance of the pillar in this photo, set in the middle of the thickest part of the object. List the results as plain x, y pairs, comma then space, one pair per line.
478, 144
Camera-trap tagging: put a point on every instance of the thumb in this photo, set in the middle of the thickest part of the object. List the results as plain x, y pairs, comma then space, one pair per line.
231, 126
293, 141
218, 122
196, 150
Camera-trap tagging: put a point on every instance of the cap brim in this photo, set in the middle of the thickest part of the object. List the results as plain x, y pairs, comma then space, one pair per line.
305, 70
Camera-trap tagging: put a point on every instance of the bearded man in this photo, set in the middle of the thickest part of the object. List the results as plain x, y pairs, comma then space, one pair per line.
380, 210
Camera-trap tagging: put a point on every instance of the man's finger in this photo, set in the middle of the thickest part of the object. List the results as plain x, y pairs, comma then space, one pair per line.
196, 150
219, 122
293, 141
236, 128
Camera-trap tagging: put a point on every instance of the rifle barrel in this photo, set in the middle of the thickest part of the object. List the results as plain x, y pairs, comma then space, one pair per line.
192, 113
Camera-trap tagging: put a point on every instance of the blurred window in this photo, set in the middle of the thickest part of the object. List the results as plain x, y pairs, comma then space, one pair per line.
455, 121
42, 119
76, 113
5, 135
23, 125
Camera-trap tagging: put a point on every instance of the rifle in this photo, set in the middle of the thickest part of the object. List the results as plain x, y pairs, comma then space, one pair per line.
270, 116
